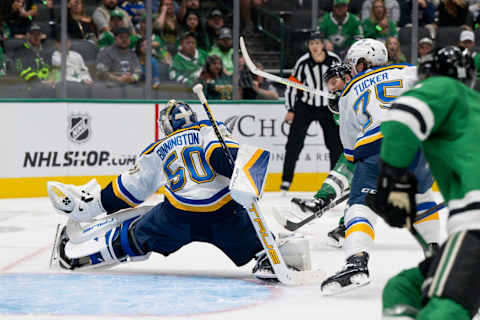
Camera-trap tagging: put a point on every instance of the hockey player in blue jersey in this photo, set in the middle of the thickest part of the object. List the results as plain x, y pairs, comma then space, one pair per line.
195, 173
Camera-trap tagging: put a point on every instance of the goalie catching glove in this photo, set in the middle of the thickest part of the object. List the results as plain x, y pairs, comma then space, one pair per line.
81, 203
395, 199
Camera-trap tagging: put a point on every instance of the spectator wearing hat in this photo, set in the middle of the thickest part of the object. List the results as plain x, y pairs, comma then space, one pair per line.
134, 8
32, 60
107, 38
395, 54
223, 49
217, 85
467, 42
167, 24
304, 107
378, 25
214, 24
20, 16
425, 46
340, 27
188, 62
118, 63
392, 8
102, 14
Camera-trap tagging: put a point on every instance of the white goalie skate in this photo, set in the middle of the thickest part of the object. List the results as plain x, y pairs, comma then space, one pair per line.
81, 203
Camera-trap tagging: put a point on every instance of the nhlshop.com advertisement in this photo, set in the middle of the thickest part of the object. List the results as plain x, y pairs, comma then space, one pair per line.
73, 139
72, 142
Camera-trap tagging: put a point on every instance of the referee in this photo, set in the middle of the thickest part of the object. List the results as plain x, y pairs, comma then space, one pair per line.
304, 107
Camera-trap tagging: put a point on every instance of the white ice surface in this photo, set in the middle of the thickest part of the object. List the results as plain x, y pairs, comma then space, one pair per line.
27, 228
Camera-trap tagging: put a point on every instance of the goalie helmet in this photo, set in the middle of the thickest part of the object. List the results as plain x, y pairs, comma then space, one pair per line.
176, 115
370, 51
336, 70
452, 62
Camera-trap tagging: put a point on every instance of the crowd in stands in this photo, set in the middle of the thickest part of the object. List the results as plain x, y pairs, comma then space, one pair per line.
385, 19
192, 42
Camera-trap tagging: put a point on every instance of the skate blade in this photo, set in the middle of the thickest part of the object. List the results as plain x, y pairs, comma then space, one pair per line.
334, 287
53, 255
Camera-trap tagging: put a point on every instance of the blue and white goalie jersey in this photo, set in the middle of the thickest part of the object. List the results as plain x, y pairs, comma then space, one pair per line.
181, 162
363, 104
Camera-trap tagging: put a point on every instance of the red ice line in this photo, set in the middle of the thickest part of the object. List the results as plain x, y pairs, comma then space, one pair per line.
23, 259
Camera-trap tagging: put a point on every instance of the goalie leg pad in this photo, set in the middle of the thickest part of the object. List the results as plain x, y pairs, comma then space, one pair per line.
295, 251
453, 273
117, 245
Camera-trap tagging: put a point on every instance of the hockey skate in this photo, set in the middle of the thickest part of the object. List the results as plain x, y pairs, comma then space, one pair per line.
295, 251
354, 274
59, 255
336, 237
263, 269
311, 205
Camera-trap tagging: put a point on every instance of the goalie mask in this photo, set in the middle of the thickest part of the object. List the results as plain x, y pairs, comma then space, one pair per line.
176, 115
452, 62
341, 71
371, 52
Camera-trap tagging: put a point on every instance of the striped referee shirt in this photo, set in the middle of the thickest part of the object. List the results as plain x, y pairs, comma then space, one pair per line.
309, 73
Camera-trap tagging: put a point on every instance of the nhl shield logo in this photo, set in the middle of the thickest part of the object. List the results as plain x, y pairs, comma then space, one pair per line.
79, 129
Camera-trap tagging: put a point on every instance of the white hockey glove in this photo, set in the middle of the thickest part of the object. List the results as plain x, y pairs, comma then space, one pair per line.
81, 203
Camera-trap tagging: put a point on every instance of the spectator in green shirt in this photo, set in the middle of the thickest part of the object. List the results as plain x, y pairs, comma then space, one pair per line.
217, 85
379, 26
223, 49
106, 38
188, 62
340, 27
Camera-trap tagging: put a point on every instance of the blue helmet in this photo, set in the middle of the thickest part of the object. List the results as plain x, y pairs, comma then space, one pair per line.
176, 115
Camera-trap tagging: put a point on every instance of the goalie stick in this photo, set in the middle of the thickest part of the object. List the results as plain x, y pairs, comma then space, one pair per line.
278, 79
279, 266
292, 225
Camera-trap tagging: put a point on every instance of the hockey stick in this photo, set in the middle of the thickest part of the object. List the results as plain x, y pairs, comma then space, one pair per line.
198, 90
279, 266
292, 225
428, 250
278, 79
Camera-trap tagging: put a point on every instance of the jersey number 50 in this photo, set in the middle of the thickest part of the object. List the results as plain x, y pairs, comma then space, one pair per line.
194, 163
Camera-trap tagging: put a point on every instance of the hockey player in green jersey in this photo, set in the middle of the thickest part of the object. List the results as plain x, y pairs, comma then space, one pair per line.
339, 178
442, 116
